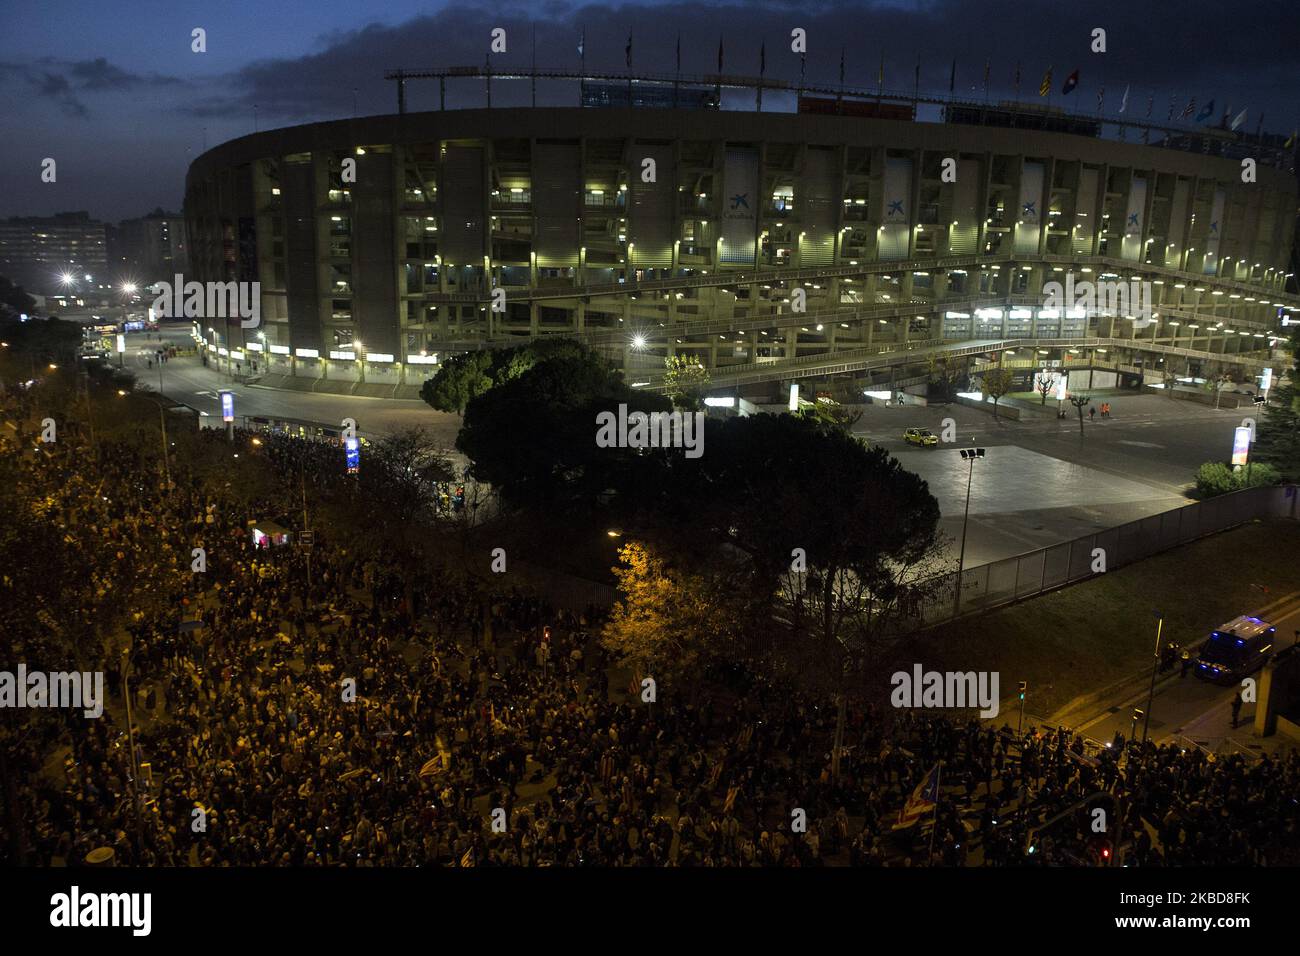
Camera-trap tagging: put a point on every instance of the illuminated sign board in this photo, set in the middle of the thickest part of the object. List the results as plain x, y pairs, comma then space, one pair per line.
227, 406
1240, 445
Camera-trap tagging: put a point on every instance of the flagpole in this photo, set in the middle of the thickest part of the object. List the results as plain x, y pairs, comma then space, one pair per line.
677, 78
934, 826
718, 92
839, 97
582, 69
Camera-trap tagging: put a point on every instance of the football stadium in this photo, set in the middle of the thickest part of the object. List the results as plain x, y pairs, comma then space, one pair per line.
829, 235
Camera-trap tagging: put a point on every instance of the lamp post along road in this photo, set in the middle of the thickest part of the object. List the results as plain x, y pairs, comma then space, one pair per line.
969, 455
1151, 694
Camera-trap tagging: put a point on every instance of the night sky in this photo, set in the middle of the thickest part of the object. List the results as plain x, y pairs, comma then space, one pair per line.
112, 91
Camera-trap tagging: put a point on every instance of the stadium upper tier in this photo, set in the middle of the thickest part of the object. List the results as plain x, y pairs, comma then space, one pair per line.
744, 238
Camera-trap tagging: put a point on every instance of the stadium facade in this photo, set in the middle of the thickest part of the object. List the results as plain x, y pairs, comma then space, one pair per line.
699, 231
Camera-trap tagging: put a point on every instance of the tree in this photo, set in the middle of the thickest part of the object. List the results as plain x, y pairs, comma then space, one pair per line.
14, 299
668, 619
997, 382
462, 378
390, 506
41, 341
832, 414
1044, 384
1080, 402
1216, 384
1277, 441
945, 371
832, 554
533, 438
458, 381
685, 380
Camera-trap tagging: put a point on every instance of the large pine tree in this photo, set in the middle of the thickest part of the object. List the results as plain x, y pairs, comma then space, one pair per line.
1278, 440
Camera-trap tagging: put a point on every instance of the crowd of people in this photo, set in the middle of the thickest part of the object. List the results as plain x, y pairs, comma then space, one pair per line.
259, 719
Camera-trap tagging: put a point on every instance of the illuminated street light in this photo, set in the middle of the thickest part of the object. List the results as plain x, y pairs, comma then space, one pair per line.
967, 454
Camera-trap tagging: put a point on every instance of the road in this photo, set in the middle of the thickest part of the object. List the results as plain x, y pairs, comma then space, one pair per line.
186, 380
1042, 482
1188, 707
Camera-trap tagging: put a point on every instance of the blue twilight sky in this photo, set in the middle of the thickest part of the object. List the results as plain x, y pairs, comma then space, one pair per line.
112, 91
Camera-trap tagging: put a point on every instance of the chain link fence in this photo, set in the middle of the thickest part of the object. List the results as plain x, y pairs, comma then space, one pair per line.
1036, 572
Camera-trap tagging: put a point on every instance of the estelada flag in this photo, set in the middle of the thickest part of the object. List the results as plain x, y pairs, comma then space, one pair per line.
1071, 82
715, 774
731, 799
467, 860
921, 802
1046, 86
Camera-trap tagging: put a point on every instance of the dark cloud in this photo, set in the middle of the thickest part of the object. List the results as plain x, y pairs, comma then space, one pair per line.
99, 74
64, 81
1158, 49
57, 88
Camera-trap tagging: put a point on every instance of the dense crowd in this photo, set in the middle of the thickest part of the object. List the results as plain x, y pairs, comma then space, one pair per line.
285, 723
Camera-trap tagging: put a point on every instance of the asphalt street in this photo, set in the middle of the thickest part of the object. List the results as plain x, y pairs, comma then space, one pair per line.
1191, 710
186, 380
1042, 481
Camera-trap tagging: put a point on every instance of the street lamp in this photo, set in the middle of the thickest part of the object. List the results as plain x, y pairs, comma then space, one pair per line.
1151, 694
968, 455
162, 421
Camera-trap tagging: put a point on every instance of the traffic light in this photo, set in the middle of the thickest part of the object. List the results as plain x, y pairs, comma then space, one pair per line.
1024, 686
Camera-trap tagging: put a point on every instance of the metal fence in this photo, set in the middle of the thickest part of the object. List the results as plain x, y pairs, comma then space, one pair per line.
1036, 572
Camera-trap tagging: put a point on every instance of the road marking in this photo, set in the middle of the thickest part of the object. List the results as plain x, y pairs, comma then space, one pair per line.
1139, 444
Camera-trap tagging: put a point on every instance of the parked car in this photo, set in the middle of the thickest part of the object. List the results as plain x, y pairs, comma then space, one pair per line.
920, 436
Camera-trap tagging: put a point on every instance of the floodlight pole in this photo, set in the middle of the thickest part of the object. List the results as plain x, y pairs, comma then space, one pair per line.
961, 560
1151, 694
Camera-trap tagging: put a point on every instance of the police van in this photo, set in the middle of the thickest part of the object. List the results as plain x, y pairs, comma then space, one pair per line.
1237, 648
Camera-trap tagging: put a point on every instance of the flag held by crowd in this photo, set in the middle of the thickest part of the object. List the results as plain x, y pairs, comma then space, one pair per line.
922, 801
